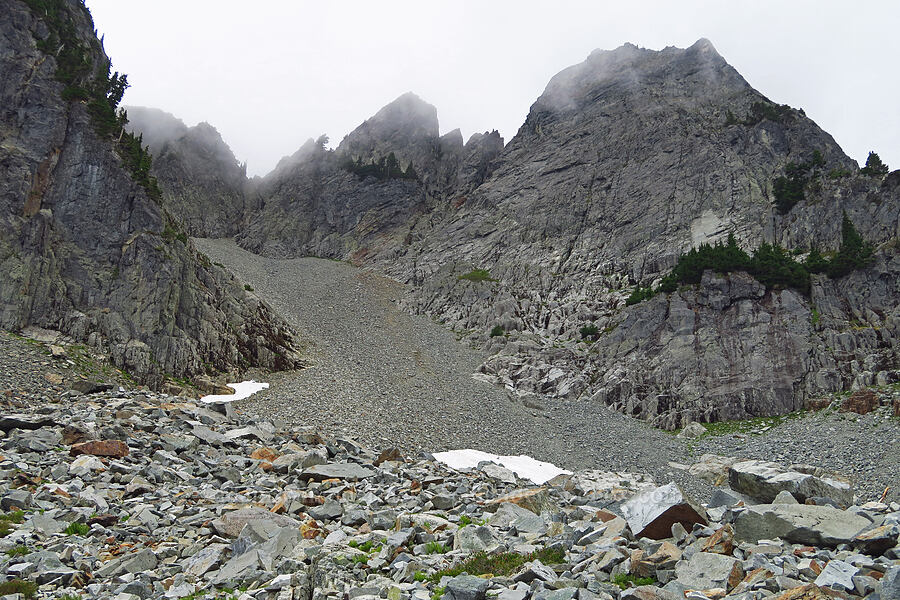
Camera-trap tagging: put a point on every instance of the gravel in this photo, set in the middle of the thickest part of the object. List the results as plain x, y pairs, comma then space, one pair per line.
388, 378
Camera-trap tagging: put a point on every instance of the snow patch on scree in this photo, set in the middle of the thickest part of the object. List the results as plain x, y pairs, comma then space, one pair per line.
523, 466
242, 390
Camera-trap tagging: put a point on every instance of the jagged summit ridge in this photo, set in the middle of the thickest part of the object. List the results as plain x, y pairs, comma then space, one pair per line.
639, 70
408, 127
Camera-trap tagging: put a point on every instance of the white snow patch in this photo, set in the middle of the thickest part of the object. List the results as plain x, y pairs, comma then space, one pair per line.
523, 466
242, 390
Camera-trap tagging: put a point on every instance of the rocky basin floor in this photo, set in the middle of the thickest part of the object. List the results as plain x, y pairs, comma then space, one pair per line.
388, 378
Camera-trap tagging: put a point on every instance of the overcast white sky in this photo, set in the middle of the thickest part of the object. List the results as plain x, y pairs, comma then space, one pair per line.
271, 74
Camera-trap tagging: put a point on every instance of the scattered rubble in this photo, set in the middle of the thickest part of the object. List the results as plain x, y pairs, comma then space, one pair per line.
133, 495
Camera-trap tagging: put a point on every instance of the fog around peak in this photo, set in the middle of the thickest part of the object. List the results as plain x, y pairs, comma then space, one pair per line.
270, 76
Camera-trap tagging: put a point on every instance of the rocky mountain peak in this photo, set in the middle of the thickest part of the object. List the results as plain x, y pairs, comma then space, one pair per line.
408, 127
630, 67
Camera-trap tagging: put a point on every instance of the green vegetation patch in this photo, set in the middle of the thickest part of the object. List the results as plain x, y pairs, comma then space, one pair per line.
626, 581
771, 265
18, 550
76, 528
589, 332
497, 331
477, 275
436, 548
18, 586
6, 521
874, 166
769, 111
749, 426
789, 189
504, 563
387, 167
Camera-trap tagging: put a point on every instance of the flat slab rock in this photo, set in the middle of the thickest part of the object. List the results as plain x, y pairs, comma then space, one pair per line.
25, 422
652, 513
799, 524
765, 480
230, 524
336, 471
111, 448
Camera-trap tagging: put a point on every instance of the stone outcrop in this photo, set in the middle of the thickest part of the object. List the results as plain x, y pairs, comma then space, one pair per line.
86, 251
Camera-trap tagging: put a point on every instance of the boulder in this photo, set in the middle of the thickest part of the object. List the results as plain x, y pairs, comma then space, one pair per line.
799, 524
511, 515
475, 539
837, 575
878, 540
806, 592
647, 592
890, 584
466, 587
861, 402
764, 480
535, 570
653, 513
721, 542
16, 500
91, 387
705, 570
691, 431
351, 471
230, 524
534, 499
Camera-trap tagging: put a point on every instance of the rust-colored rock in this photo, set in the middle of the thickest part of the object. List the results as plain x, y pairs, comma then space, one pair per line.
862, 402
604, 515
266, 454
533, 499
751, 579
721, 542
806, 592
897, 406
106, 520
310, 530
388, 454
816, 403
110, 448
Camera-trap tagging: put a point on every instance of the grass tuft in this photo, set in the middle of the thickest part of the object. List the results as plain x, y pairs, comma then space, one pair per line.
76, 528
477, 275
504, 563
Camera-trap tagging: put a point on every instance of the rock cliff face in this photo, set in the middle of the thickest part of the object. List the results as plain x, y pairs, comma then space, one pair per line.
84, 249
624, 162
204, 187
